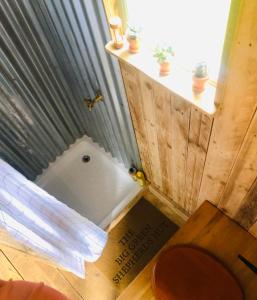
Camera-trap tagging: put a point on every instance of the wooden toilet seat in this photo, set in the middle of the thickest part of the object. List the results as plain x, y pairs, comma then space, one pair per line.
191, 273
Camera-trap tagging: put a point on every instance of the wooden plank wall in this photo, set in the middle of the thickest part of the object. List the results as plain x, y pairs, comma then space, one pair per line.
230, 182
172, 135
190, 156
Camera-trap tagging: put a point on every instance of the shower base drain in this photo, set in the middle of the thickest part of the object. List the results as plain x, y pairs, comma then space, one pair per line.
86, 158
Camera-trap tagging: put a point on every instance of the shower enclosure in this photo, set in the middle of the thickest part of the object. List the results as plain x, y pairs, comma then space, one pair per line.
97, 187
52, 58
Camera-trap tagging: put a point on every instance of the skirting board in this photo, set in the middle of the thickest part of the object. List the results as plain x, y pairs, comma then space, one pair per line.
176, 215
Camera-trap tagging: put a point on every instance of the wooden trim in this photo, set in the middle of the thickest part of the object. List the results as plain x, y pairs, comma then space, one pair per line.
177, 216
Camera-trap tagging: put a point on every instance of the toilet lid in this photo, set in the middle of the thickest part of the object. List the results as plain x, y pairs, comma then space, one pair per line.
190, 273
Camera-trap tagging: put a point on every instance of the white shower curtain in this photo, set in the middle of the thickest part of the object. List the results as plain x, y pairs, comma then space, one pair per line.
41, 224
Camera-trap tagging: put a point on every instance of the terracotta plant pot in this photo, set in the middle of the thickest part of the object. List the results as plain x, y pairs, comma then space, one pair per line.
134, 45
165, 68
199, 83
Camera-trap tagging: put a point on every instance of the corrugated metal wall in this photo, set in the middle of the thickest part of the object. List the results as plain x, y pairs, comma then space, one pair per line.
52, 56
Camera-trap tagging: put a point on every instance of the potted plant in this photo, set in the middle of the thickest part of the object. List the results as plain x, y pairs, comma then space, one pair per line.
200, 77
133, 37
164, 56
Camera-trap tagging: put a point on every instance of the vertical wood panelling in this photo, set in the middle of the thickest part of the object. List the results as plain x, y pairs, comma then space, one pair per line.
238, 94
195, 157
242, 176
180, 128
149, 117
247, 214
163, 127
253, 207
172, 137
193, 142
134, 97
204, 138
198, 140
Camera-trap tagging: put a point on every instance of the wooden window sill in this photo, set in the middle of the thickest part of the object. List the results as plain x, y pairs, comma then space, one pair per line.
179, 81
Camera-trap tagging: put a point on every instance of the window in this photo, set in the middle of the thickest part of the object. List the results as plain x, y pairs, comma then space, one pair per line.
194, 28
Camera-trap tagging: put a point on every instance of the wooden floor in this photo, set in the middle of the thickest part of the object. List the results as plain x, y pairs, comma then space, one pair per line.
96, 286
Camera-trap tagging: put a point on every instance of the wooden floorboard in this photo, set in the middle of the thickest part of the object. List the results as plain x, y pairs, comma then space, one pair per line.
7, 270
37, 271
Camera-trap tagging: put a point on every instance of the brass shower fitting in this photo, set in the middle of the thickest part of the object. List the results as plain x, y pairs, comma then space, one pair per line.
90, 103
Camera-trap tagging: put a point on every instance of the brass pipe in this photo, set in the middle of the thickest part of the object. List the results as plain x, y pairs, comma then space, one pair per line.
90, 103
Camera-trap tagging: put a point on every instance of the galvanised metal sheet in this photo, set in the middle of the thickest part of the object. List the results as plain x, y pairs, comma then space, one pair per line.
51, 57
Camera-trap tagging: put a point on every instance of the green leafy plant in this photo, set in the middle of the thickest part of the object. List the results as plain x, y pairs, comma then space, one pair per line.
133, 32
163, 54
201, 70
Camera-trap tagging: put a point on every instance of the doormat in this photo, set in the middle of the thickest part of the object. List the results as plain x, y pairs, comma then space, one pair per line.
133, 242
